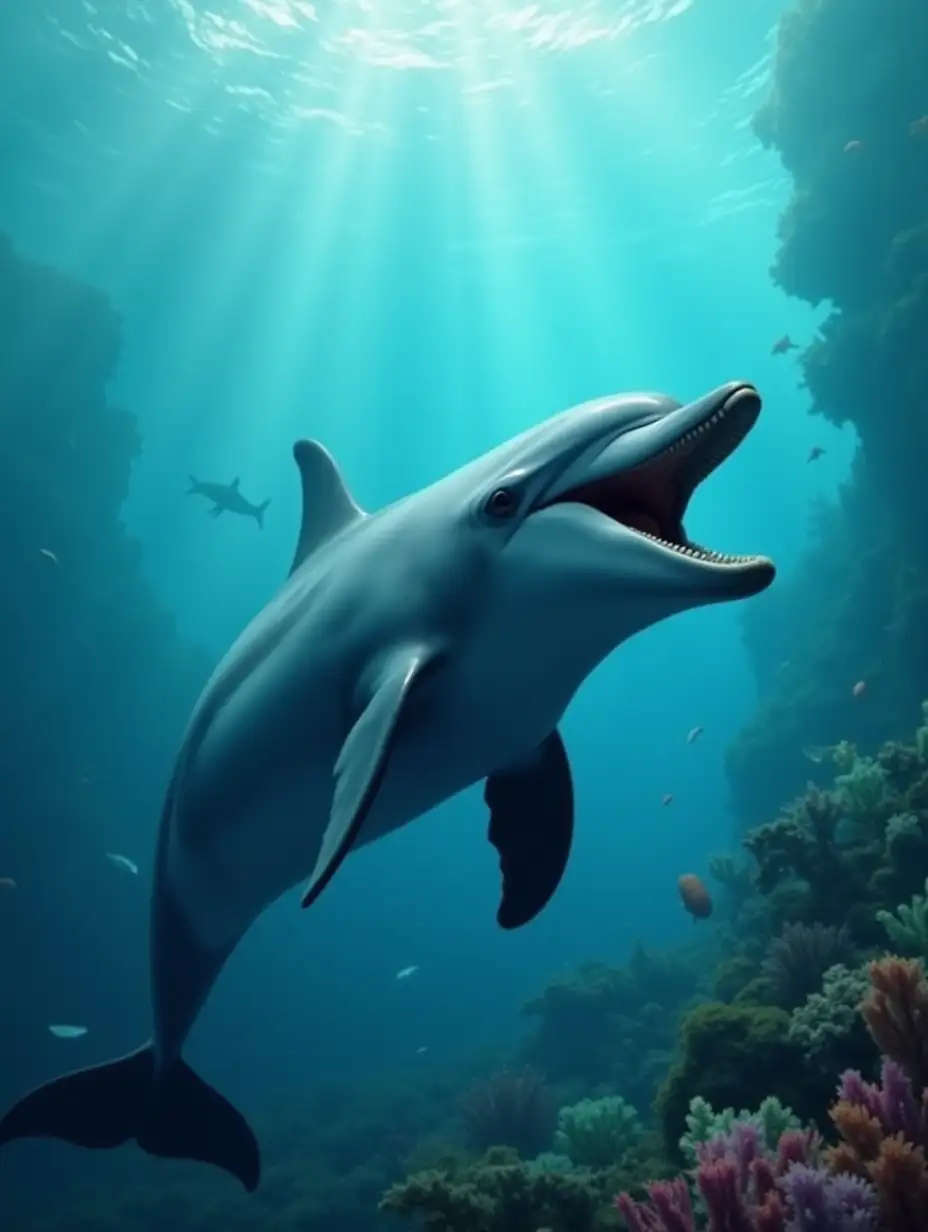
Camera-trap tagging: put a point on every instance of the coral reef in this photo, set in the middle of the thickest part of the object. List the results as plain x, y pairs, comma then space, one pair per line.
499, 1193
731, 1055
771, 1121
828, 1026
854, 235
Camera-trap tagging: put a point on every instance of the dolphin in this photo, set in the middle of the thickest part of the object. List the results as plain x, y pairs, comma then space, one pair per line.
226, 497
410, 653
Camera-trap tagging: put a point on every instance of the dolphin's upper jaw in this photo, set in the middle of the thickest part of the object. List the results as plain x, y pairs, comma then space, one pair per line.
650, 497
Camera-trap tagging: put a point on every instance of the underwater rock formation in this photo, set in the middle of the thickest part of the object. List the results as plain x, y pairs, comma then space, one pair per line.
95, 682
855, 234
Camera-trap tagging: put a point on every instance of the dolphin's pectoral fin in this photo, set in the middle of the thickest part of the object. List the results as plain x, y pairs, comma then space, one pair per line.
216, 510
531, 826
362, 763
327, 504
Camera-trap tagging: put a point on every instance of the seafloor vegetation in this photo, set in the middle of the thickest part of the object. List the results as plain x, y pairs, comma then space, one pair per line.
770, 1077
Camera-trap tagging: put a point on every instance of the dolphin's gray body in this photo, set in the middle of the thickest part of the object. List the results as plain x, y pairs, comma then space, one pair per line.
227, 498
410, 653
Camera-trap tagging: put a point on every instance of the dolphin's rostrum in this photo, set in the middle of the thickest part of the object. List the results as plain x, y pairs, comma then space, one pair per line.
410, 653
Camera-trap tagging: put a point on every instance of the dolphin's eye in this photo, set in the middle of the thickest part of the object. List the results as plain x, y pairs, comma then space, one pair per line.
502, 504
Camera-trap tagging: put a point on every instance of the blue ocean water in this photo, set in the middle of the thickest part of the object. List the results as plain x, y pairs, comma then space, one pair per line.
410, 230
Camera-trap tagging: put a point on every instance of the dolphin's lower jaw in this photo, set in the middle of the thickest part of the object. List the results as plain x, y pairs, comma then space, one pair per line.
649, 499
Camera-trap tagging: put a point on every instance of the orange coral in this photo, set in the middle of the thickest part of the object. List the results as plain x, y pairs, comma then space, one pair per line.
900, 1175
843, 1158
896, 1014
861, 1133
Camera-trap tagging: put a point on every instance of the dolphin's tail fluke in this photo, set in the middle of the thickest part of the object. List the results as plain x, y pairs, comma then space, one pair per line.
194, 485
176, 1115
259, 513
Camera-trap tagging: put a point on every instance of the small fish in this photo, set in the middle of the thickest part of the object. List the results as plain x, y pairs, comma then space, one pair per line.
784, 344
406, 972
859, 689
815, 453
815, 753
49, 555
919, 128
693, 734
667, 798
7, 883
61, 1031
123, 862
853, 147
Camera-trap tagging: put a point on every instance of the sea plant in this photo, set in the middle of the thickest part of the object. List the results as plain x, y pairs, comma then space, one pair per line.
598, 1133
825, 1022
510, 1108
907, 926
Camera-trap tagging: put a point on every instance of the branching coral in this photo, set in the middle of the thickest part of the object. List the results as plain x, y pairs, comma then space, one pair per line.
907, 926
772, 1121
747, 1187
598, 1133
828, 1026
884, 1129
896, 1014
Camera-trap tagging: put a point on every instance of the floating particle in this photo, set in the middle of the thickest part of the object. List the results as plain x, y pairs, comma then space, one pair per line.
860, 688
667, 798
693, 734
62, 1031
7, 883
406, 972
49, 555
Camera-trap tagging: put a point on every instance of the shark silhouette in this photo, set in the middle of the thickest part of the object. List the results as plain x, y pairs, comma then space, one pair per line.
226, 497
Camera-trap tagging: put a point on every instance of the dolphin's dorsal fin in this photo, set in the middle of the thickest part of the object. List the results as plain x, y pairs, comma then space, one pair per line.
235, 482
327, 503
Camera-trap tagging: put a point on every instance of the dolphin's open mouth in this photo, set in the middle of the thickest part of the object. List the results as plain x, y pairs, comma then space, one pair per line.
652, 497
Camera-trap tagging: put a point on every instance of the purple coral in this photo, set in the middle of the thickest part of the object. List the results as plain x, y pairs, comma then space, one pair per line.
747, 1189
891, 1101
818, 1202
670, 1211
